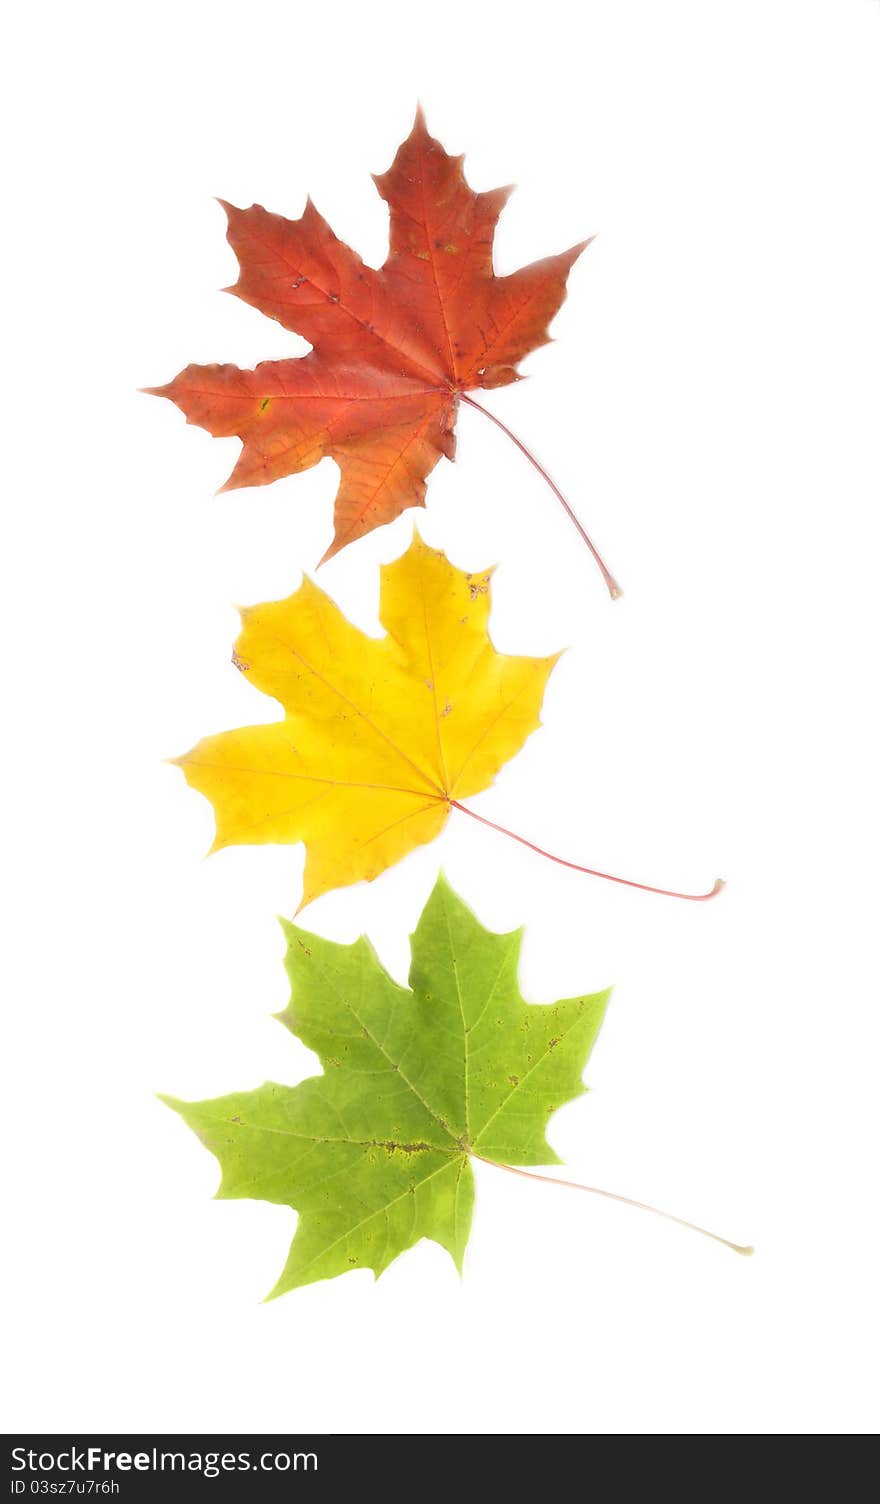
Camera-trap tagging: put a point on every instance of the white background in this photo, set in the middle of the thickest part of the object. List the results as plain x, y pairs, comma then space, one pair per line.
711, 406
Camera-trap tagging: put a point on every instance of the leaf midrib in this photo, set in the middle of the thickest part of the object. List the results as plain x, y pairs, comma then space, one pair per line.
395, 1065
434, 787
371, 330
381, 1211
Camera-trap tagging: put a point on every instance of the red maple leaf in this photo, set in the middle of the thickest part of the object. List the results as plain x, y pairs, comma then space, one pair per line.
394, 349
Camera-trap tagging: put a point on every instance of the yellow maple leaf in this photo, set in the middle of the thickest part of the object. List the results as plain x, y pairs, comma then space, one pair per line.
379, 737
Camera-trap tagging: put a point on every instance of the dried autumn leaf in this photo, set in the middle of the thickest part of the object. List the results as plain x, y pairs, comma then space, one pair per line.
380, 737
394, 349
375, 1154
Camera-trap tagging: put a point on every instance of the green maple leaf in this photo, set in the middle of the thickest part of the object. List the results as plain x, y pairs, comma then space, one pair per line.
375, 1153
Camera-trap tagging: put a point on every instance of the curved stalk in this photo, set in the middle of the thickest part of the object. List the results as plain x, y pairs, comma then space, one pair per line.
745, 1249
613, 588
609, 877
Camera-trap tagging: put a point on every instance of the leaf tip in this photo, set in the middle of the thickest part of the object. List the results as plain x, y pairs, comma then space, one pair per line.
308, 896
442, 886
